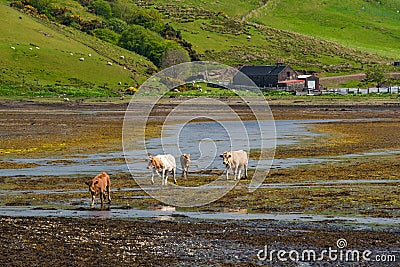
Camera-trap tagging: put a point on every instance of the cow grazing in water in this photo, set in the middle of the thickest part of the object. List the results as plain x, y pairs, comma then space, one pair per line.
235, 160
185, 163
98, 186
163, 164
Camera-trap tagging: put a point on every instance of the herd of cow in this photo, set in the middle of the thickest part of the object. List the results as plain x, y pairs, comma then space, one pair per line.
164, 164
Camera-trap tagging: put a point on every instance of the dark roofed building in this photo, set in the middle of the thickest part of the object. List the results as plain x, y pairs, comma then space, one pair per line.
266, 75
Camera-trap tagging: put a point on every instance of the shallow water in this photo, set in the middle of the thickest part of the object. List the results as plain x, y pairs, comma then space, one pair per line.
209, 141
168, 213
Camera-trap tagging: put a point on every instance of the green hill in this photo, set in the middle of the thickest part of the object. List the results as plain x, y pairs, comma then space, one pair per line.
234, 41
367, 25
38, 53
328, 37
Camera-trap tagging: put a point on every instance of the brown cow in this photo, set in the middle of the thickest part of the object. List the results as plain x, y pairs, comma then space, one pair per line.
99, 185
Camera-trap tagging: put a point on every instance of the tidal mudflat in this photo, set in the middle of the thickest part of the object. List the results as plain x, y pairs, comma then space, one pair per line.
339, 164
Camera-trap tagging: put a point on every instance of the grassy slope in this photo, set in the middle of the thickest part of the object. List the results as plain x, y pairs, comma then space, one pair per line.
371, 26
233, 8
226, 40
53, 62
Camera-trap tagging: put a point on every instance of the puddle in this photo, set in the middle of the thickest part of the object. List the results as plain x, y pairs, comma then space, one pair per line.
169, 213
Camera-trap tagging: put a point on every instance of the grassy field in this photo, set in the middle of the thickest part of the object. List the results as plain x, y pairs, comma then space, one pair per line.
370, 26
235, 42
48, 54
313, 37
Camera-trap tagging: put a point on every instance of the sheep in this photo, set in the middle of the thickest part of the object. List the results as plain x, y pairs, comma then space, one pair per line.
12, 47
122, 57
109, 63
82, 59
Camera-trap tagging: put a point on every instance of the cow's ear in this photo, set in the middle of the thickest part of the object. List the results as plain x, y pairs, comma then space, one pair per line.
96, 182
221, 156
87, 183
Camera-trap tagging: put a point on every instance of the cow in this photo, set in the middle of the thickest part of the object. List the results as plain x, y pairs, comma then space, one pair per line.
235, 160
163, 164
185, 163
98, 186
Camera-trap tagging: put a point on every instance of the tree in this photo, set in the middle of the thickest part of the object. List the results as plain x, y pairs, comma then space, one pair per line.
375, 74
144, 42
102, 8
174, 56
133, 14
116, 25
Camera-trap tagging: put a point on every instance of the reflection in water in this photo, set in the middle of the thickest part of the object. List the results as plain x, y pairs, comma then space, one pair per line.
205, 141
169, 214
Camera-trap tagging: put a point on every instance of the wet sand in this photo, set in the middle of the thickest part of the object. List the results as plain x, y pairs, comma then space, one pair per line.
41, 130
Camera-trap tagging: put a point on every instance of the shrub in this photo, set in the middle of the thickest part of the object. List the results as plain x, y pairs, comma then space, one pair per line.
144, 42
116, 25
88, 26
102, 8
106, 35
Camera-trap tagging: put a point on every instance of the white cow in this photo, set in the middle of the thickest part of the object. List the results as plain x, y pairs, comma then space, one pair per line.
163, 164
185, 163
235, 160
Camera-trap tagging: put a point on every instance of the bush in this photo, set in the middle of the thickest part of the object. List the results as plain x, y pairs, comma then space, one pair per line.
116, 25
144, 42
106, 35
102, 8
132, 14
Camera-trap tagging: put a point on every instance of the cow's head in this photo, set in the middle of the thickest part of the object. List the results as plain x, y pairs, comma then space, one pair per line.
186, 156
226, 157
93, 188
151, 162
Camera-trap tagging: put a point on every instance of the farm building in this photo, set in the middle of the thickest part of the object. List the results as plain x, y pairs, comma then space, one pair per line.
265, 76
310, 81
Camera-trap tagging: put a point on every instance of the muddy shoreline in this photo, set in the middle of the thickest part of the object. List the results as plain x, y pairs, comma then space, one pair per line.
42, 130
181, 242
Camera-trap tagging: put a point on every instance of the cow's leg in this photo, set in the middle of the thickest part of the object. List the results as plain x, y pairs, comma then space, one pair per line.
109, 193
245, 171
102, 198
235, 170
164, 177
92, 203
174, 174
227, 173
239, 172
152, 176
